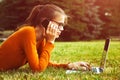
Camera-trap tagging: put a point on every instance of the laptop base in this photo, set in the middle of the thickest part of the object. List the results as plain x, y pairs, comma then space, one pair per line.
95, 70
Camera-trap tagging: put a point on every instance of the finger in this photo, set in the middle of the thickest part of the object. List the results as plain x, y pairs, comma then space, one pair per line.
89, 67
52, 28
49, 27
86, 65
55, 29
83, 68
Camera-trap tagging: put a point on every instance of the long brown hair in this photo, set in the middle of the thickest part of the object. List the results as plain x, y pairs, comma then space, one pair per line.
41, 12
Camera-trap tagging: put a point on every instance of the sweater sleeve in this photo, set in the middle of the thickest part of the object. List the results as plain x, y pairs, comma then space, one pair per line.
50, 64
57, 65
36, 62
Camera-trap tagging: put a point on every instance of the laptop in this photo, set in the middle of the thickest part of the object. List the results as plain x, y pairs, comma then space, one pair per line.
101, 68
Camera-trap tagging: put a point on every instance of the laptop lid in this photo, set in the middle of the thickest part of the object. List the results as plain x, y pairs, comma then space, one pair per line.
104, 54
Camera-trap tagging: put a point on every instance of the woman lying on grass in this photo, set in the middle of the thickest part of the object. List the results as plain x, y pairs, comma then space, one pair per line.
33, 42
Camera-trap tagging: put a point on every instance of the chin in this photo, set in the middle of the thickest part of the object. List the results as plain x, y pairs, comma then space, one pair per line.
57, 36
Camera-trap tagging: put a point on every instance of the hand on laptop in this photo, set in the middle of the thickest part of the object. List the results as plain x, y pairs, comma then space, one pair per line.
83, 66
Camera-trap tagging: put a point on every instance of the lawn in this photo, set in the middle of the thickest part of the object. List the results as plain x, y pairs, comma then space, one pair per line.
65, 52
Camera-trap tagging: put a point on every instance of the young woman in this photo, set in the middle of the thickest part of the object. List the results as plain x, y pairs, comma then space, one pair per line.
34, 41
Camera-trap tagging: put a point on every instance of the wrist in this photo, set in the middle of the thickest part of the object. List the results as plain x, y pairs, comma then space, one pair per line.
52, 42
70, 65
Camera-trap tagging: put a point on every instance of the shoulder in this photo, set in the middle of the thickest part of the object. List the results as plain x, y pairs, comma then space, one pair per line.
27, 31
27, 28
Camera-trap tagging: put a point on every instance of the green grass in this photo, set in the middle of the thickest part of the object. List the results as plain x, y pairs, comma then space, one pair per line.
65, 52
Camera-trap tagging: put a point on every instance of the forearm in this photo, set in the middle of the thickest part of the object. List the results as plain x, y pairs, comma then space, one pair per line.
44, 56
57, 65
39, 61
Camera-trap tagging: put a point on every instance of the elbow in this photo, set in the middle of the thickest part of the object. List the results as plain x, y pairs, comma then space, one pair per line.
39, 69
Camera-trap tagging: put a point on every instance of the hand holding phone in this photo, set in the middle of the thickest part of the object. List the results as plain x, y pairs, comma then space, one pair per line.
51, 30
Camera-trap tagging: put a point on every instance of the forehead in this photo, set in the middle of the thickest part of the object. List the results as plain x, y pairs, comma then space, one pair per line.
59, 17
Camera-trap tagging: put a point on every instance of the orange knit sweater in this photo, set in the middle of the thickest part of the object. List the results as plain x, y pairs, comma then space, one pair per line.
21, 47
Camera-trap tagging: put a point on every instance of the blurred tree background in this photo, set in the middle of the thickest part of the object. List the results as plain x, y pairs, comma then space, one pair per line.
88, 19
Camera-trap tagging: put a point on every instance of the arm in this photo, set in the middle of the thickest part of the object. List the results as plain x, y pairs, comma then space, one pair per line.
83, 66
56, 65
73, 65
36, 62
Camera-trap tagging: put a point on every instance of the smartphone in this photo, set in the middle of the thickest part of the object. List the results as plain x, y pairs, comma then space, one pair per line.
45, 23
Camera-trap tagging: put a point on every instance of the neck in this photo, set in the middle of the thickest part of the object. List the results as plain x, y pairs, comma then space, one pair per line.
39, 33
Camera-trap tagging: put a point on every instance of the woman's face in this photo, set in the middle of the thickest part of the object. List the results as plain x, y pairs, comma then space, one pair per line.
59, 20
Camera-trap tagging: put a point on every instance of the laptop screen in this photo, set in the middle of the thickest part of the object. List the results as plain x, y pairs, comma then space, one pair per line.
104, 54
